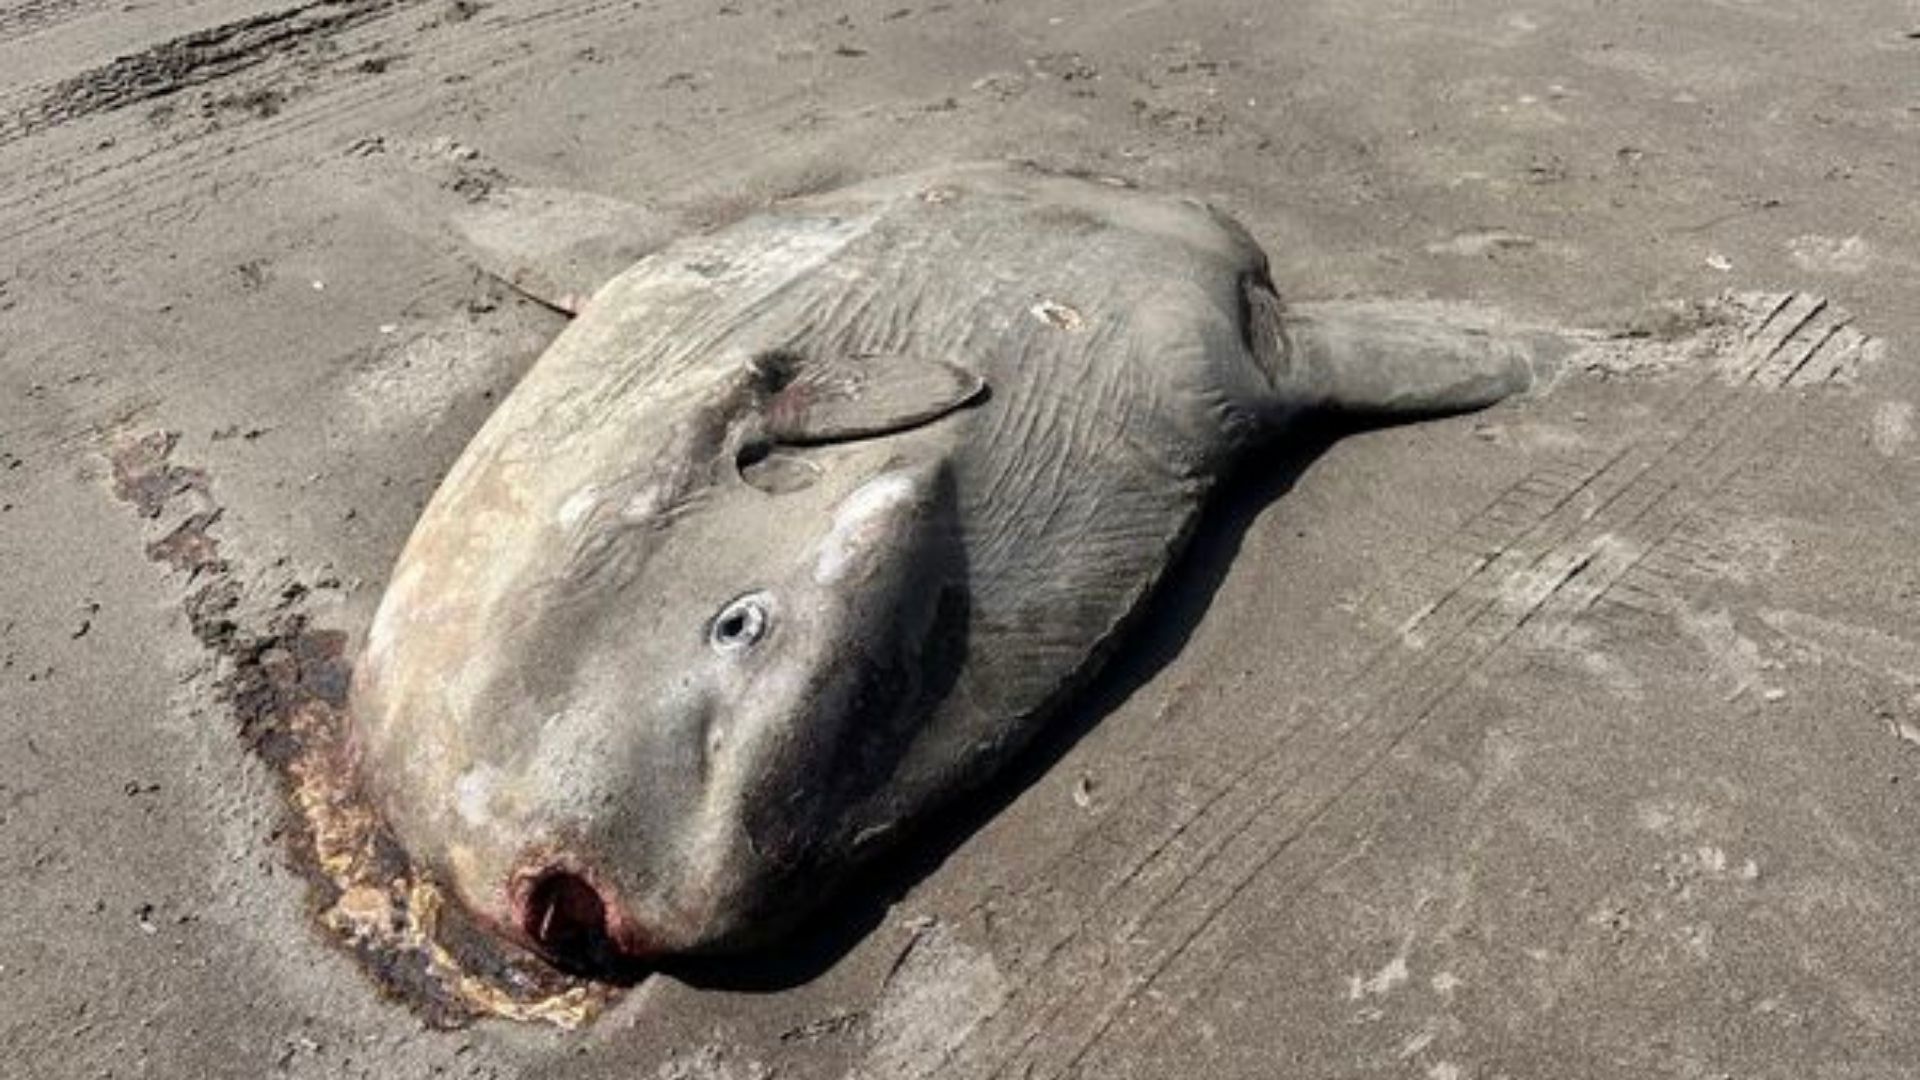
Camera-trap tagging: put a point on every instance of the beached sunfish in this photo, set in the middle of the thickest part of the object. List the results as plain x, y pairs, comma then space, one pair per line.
803, 526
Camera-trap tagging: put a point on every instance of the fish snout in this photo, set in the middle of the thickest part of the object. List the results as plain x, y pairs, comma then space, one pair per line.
571, 916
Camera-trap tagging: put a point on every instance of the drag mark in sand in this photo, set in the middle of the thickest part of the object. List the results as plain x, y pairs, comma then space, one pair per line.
285, 680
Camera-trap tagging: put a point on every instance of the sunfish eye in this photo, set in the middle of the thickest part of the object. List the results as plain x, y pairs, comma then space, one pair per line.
739, 624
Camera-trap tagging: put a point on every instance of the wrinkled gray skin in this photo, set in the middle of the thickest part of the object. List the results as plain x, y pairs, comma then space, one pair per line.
805, 525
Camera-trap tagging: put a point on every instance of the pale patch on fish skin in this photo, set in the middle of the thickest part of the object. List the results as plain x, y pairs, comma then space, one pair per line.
644, 505
856, 523
1059, 315
473, 795
578, 506
380, 636
465, 862
557, 735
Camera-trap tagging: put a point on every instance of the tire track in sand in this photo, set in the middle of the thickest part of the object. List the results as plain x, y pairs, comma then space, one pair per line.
1549, 547
53, 209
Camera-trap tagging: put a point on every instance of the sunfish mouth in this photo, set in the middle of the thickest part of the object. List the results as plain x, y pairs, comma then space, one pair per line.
574, 921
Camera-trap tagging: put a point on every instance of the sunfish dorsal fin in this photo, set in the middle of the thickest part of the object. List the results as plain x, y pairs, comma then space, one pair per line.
834, 399
558, 246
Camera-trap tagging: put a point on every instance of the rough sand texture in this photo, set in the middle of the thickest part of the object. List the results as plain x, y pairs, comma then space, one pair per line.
1580, 737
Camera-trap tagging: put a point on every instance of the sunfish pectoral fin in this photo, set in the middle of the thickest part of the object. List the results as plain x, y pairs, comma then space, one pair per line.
557, 246
838, 398
1377, 359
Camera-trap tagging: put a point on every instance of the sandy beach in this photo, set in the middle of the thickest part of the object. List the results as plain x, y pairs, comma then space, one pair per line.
1577, 737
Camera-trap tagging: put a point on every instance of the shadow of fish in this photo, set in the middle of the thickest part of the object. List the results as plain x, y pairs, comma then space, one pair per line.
804, 526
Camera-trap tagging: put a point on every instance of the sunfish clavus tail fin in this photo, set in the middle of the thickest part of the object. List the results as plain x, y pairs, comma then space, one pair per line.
1398, 360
